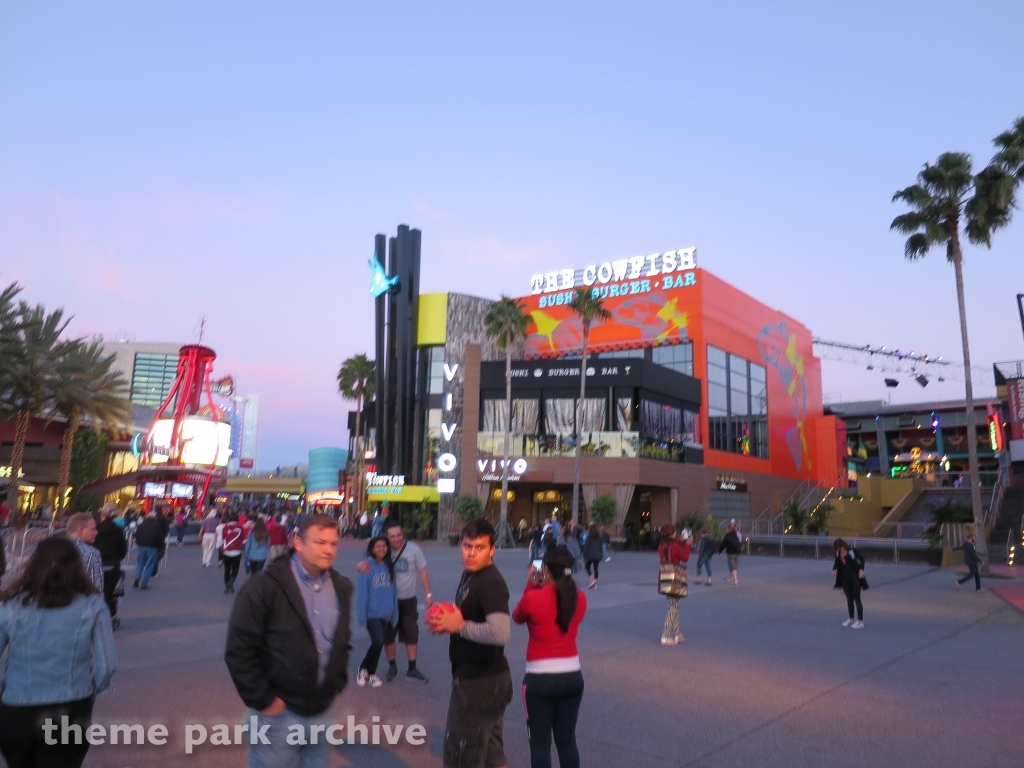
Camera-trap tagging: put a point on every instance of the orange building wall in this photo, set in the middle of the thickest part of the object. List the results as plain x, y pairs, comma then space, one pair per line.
802, 441
733, 321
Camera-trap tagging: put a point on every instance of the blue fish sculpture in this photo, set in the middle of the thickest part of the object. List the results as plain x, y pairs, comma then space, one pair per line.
380, 283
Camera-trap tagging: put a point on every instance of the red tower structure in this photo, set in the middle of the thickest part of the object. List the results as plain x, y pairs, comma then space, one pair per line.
188, 439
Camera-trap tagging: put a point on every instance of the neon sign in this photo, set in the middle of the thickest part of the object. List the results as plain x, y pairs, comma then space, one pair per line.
631, 269
447, 462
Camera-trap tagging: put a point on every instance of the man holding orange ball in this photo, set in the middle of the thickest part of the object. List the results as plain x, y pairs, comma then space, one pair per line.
479, 625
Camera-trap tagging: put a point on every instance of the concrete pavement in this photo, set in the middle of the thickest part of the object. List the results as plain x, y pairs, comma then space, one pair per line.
767, 675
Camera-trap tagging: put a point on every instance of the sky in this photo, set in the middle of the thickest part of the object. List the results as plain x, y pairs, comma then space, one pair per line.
166, 162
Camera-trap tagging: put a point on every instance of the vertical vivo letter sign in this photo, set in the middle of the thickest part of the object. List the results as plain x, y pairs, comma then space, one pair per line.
446, 462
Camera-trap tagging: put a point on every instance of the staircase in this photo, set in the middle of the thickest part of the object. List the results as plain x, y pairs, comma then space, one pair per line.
1011, 511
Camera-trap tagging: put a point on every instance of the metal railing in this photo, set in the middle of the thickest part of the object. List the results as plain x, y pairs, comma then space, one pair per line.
822, 545
998, 490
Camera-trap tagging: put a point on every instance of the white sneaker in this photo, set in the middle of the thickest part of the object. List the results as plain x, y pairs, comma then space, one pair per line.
857, 625
375, 682
680, 639
607, 559
665, 640
362, 677
848, 623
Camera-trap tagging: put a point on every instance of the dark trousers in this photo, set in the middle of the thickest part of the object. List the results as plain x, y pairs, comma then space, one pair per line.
594, 563
231, 563
181, 533
376, 629
111, 575
852, 591
22, 739
255, 566
972, 572
552, 706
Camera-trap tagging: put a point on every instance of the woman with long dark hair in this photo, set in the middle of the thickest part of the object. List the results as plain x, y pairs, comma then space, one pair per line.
593, 553
56, 630
848, 569
376, 606
257, 547
552, 608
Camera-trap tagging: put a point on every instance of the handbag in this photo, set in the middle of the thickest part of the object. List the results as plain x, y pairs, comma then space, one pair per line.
671, 578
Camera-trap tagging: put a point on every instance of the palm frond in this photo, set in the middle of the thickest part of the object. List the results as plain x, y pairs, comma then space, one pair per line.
506, 322
1010, 156
357, 378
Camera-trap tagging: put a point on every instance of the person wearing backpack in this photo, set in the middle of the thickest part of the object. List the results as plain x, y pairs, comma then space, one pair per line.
848, 569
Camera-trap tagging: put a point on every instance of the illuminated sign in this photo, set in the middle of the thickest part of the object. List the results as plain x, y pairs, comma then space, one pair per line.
732, 484
995, 429
380, 283
203, 442
491, 469
6, 472
643, 269
446, 461
372, 479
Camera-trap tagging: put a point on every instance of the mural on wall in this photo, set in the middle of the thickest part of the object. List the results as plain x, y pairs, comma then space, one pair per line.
650, 317
778, 350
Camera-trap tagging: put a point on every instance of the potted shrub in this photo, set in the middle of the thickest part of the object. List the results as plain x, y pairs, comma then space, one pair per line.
795, 518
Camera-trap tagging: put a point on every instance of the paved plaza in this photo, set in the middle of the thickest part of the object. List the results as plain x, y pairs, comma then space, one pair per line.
766, 677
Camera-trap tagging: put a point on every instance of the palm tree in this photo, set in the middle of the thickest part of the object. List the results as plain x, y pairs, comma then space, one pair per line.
86, 389
946, 197
31, 370
357, 381
589, 310
506, 323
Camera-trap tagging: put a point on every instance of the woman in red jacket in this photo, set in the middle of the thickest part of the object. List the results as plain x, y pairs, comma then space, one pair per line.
676, 550
552, 609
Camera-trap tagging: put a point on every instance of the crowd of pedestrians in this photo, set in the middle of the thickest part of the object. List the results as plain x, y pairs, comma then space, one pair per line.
289, 634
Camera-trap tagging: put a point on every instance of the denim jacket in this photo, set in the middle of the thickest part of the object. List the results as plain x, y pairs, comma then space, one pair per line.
56, 655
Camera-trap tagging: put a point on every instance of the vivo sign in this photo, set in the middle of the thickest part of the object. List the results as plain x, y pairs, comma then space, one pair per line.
446, 462
632, 268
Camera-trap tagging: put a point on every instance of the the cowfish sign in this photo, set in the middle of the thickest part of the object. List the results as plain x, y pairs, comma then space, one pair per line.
634, 268
657, 308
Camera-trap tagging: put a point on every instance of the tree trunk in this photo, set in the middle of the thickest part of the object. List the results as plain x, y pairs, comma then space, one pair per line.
981, 540
508, 429
17, 460
64, 472
579, 418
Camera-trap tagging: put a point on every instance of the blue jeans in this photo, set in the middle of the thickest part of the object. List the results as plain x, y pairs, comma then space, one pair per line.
552, 705
604, 551
375, 627
702, 562
145, 562
279, 753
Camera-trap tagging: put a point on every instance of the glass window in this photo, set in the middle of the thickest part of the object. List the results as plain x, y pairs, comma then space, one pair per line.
435, 370
620, 353
737, 405
559, 415
624, 414
525, 415
678, 357
661, 422
431, 444
152, 378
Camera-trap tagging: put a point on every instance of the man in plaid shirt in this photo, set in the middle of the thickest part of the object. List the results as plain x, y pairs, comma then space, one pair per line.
81, 529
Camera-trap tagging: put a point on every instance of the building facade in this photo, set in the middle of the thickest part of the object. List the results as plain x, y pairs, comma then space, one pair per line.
699, 399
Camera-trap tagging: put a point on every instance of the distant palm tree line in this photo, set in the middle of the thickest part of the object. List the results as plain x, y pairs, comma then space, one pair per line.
46, 376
